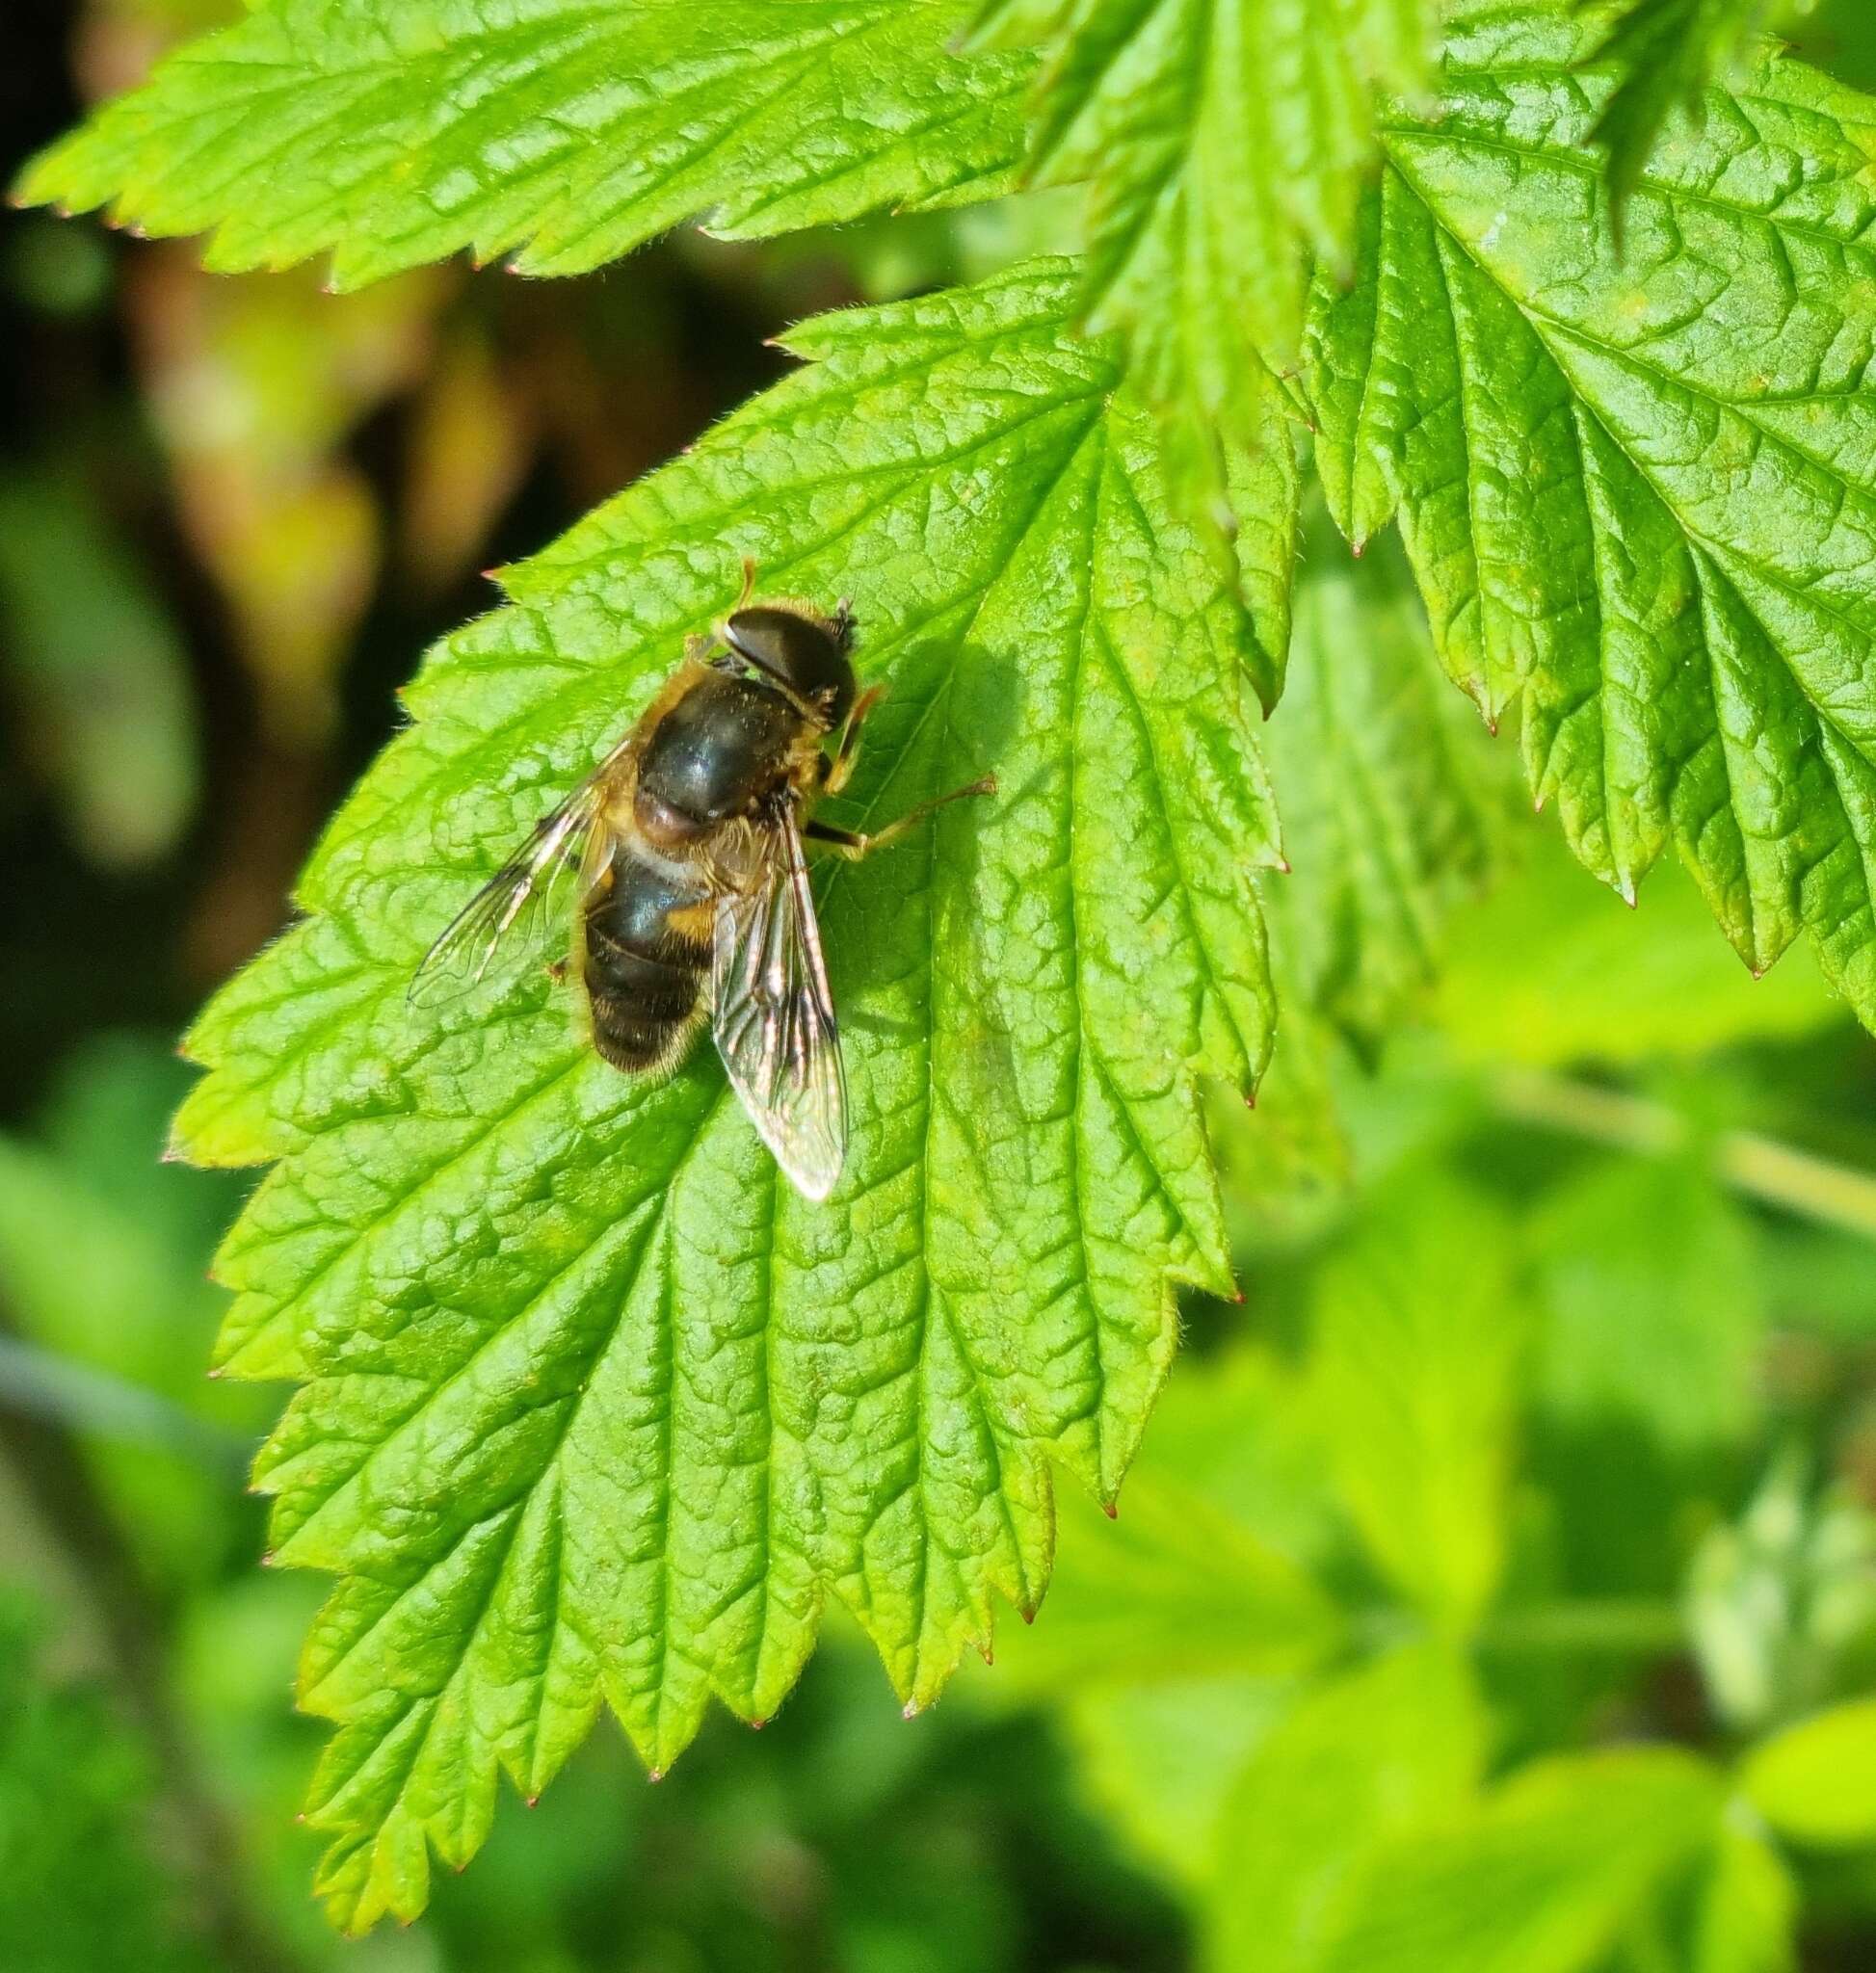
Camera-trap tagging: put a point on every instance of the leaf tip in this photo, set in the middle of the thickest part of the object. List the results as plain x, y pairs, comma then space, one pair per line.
910, 1710
1111, 1509
654, 1776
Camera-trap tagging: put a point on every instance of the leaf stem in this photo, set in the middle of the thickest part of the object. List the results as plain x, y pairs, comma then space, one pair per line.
1621, 1624
1773, 1173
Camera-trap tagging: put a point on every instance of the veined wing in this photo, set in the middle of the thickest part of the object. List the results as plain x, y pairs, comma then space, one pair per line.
515, 911
774, 1017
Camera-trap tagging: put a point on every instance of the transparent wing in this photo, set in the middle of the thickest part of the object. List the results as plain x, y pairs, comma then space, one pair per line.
516, 911
774, 1017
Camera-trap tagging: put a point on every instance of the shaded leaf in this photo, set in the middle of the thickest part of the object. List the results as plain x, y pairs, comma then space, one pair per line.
1392, 810
1663, 53
84, 1887
1383, 1749
1651, 1316
1542, 1880
1418, 1338
1219, 138
1221, 143
97, 672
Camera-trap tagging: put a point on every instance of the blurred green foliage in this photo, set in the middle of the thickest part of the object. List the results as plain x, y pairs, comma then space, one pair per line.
1496, 1592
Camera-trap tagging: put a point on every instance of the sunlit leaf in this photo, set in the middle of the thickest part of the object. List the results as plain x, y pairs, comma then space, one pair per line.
1662, 53
545, 130
1635, 489
1746, 1909
1816, 1782
596, 1406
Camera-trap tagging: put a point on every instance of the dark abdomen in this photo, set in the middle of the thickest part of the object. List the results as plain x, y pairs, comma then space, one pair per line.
648, 949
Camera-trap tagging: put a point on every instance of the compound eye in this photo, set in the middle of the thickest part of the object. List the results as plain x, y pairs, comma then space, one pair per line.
799, 651
770, 640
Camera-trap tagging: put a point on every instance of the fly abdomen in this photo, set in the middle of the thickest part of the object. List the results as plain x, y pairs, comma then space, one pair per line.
647, 944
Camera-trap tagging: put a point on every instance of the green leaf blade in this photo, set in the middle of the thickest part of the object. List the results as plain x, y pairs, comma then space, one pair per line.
1816, 1782
1662, 52
541, 129
595, 1403
1631, 486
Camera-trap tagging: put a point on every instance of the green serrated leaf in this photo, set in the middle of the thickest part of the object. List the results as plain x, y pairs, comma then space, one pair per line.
1662, 54
1221, 142
1635, 489
552, 131
596, 1407
1419, 1335
1542, 1879
1219, 138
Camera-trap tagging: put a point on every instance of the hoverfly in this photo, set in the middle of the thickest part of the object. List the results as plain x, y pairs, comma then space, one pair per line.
693, 894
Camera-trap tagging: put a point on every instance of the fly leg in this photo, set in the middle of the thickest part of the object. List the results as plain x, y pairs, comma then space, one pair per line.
846, 753
851, 845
